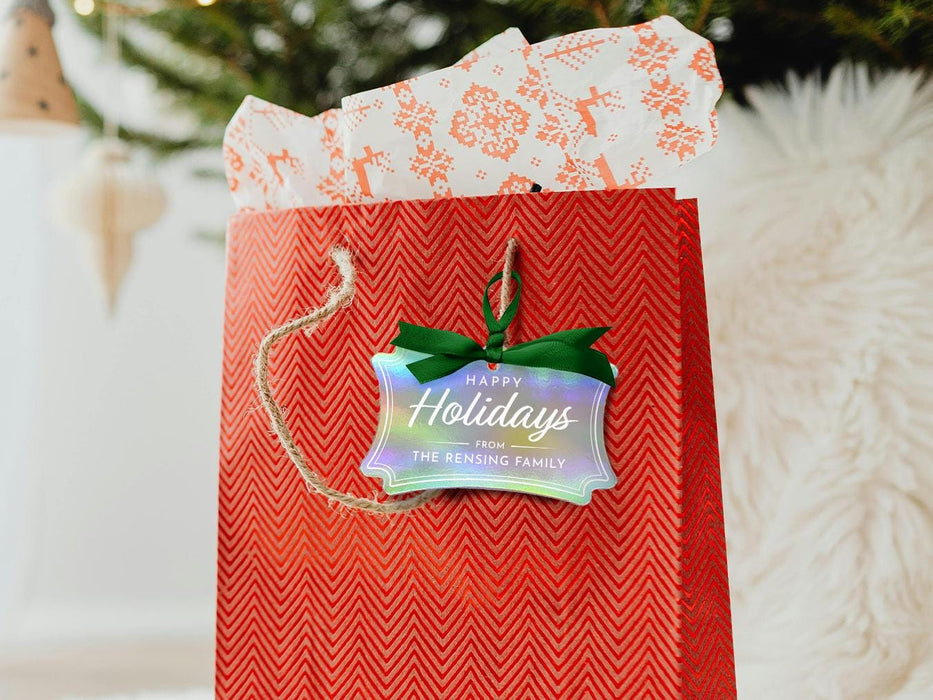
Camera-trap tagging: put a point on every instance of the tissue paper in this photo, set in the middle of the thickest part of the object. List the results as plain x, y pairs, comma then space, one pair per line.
599, 109
276, 158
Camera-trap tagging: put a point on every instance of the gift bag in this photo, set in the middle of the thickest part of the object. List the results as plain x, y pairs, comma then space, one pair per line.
337, 577
476, 593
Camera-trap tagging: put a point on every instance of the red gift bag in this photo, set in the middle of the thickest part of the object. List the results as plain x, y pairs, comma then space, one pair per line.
476, 594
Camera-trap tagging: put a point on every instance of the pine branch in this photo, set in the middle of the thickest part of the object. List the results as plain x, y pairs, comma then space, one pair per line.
702, 13
307, 54
160, 146
846, 22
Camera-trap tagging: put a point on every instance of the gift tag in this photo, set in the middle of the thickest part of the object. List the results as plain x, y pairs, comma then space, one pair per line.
535, 430
457, 414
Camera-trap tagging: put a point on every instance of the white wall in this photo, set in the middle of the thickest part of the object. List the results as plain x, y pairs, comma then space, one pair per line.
108, 426
20, 252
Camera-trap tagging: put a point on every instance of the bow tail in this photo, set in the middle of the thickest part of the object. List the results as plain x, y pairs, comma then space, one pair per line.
559, 356
575, 337
437, 366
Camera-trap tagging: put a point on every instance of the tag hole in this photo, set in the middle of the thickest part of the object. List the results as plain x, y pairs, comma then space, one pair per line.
492, 365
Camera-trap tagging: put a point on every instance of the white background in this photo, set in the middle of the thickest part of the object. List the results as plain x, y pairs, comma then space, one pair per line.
108, 425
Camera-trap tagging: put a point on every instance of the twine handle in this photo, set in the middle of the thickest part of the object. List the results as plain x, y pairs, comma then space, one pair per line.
337, 298
505, 288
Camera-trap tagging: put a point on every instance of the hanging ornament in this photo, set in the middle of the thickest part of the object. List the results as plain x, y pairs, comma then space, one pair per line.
34, 95
108, 197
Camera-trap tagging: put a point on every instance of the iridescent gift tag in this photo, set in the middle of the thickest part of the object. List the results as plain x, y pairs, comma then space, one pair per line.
529, 429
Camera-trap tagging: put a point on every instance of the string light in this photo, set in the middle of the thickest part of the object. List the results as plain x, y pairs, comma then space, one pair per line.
84, 7
87, 7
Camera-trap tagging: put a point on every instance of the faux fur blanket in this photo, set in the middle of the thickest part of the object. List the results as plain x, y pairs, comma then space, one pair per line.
817, 219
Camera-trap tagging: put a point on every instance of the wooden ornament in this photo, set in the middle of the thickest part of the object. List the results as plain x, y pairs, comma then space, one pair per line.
34, 95
109, 199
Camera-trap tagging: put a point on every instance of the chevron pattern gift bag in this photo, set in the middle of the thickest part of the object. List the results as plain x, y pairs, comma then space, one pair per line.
477, 593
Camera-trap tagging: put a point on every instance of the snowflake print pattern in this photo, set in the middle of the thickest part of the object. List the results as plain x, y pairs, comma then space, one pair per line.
652, 53
415, 118
680, 139
665, 97
532, 87
432, 164
489, 122
704, 65
571, 176
516, 184
552, 132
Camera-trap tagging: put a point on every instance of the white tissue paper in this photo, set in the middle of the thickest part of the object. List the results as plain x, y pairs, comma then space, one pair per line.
598, 109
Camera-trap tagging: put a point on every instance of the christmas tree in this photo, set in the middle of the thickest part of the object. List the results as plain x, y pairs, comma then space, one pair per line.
307, 54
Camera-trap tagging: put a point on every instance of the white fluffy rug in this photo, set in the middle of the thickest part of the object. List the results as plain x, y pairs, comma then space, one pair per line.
817, 214
817, 217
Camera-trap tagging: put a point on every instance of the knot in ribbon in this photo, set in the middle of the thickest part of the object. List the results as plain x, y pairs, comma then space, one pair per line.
567, 351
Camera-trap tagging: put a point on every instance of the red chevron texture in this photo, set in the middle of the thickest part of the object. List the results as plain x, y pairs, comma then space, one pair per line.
478, 594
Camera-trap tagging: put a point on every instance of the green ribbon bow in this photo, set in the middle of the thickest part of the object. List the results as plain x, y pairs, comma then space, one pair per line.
568, 351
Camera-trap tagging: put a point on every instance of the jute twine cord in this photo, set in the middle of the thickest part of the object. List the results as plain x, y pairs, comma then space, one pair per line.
505, 289
337, 298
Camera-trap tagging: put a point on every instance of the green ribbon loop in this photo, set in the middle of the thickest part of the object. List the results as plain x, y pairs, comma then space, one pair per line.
568, 351
495, 325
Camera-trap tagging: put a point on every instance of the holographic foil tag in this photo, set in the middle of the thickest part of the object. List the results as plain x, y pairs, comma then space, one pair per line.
528, 429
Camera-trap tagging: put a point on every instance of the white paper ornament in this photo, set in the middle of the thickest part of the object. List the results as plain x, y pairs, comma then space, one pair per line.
109, 199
